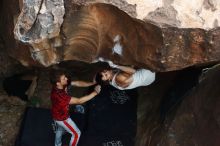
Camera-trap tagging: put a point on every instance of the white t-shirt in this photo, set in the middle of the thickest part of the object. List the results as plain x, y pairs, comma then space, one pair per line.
141, 77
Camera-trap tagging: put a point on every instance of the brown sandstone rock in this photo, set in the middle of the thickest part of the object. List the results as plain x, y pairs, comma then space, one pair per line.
96, 30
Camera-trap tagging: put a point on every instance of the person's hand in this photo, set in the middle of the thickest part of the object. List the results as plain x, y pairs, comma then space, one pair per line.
66, 89
94, 80
111, 64
97, 89
101, 59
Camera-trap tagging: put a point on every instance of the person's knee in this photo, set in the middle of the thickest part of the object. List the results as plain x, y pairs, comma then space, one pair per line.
74, 133
79, 133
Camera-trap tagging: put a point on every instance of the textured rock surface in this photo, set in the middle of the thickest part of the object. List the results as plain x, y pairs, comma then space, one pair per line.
199, 13
187, 47
9, 13
182, 112
179, 13
39, 20
8, 65
11, 113
96, 30
196, 121
149, 101
198, 113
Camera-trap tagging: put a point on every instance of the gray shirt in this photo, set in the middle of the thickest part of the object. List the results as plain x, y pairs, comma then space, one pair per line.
141, 77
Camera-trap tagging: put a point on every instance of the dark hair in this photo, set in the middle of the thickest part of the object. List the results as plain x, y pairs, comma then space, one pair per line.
98, 79
55, 76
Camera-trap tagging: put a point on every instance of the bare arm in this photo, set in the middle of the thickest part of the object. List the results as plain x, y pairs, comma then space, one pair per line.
85, 98
82, 83
126, 69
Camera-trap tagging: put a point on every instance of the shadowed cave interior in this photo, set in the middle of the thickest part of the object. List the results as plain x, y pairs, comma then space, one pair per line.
113, 117
181, 108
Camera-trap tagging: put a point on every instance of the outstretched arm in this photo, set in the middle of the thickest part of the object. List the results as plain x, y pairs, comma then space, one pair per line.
82, 83
85, 98
126, 69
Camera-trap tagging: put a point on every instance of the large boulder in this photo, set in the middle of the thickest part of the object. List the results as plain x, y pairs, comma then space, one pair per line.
96, 30
196, 120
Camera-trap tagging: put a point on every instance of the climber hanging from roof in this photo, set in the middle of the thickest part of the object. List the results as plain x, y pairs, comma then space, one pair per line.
125, 77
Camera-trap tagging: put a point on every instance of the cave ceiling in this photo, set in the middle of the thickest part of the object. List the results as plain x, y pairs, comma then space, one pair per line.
160, 35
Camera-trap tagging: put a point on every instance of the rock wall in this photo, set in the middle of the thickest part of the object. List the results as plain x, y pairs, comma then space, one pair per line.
11, 113
201, 103
181, 112
196, 120
179, 13
97, 30
8, 65
183, 14
8, 45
